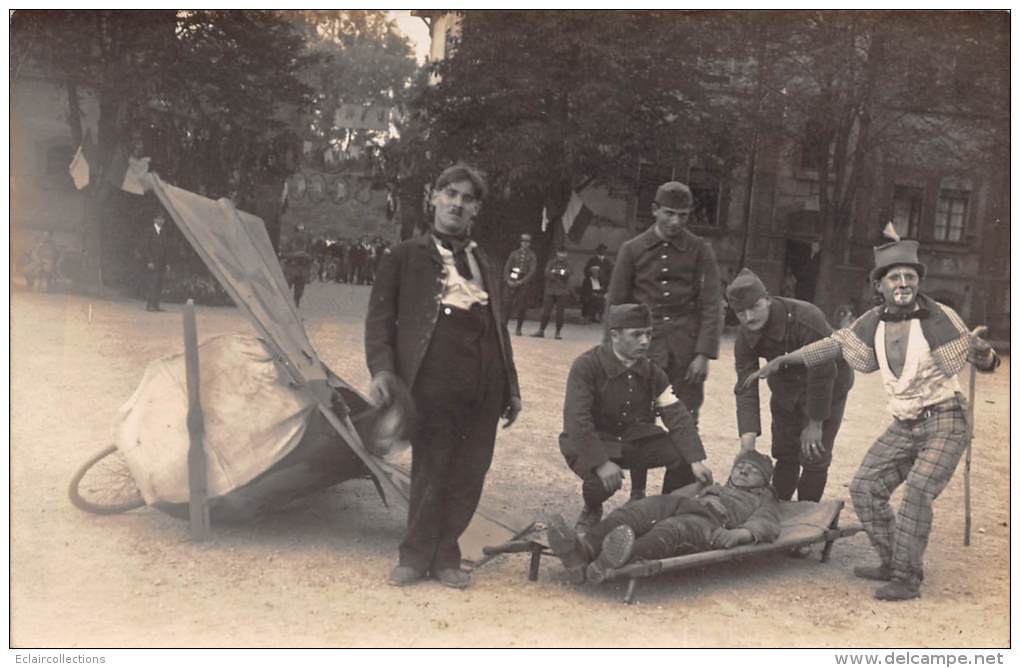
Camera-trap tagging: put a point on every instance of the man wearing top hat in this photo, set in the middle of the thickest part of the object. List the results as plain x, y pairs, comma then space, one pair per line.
675, 273
614, 393
520, 268
807, 405
918, 346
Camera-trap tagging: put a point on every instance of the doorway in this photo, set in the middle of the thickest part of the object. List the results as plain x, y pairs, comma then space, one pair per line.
800, 270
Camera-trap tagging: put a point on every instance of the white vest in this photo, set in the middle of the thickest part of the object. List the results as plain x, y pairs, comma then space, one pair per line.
921, 383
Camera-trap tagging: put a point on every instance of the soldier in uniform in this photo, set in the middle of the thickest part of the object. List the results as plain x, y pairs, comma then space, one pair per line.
519, 270
675, 273
557, 292
297, 263
614, 393
807, 405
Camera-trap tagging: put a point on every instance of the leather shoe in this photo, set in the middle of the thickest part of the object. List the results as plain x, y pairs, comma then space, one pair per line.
454, 577
882, 573
401, 576
538, 335
897, 590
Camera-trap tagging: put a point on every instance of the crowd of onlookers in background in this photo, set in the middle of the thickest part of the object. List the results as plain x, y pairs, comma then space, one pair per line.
343, 260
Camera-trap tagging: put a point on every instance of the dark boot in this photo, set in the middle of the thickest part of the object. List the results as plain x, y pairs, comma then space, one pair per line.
897, 590
617, 549
589, 517
573, 551
882, 572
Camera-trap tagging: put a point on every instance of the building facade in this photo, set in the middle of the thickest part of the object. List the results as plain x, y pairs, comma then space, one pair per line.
767, 214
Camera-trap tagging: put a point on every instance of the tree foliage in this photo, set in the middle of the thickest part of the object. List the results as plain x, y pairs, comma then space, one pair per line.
856, 88
546, 101
222, 99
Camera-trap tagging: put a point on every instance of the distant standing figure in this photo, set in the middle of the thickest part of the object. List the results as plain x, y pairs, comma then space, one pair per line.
297, 261
518, 272
557, 292
154, 254
42, 263
602, 261
593, 294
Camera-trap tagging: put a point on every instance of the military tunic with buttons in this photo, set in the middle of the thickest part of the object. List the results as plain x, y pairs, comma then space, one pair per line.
798, 394
609, 414
679, 280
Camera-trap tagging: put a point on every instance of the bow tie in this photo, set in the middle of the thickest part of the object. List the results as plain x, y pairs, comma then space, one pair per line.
916, 314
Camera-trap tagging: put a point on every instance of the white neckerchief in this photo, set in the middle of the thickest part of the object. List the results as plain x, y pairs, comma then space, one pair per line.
457, 290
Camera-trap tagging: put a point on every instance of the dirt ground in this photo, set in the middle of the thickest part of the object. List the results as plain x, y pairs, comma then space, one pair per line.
314, 574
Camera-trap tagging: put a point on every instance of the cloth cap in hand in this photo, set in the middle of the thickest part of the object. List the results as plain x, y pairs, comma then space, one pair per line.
745, 290
629, 316
674, 195
761, 462
896, 253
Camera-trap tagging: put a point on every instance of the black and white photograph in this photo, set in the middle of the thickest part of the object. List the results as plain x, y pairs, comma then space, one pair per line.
511, 328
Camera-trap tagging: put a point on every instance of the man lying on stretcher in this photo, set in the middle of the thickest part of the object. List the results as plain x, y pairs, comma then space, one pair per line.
744, 510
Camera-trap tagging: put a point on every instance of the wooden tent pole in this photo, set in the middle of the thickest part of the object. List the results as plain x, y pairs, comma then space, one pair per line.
966, 461
198, 497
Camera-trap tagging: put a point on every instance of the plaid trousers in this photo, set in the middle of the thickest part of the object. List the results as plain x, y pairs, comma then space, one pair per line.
924, 453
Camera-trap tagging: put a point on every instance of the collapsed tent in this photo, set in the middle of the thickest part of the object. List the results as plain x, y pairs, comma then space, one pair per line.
237, 250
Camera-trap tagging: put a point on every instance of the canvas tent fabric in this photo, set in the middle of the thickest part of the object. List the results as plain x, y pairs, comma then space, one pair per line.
236, 247
254, 416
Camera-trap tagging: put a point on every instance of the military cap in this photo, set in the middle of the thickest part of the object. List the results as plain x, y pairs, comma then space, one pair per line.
525, 237
745, 290
674, 195
629, 316
761, 462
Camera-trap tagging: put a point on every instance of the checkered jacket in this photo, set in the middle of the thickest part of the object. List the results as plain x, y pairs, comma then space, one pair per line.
946, 333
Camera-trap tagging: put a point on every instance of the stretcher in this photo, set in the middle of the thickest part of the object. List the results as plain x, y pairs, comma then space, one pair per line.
804, 523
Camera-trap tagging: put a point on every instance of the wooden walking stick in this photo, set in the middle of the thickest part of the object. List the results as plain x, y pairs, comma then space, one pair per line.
966, 461
198, 497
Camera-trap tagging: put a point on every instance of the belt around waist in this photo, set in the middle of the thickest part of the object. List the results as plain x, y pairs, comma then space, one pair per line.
954, 403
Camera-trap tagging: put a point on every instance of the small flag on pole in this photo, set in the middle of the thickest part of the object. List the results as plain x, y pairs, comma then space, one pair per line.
576, 218
889, 232
79, 169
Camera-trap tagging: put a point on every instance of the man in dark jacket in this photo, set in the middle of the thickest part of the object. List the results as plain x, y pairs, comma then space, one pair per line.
154, 252
744, 510
807, 405
614, 393
602, 261
518, 272
435, 326
675, 273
